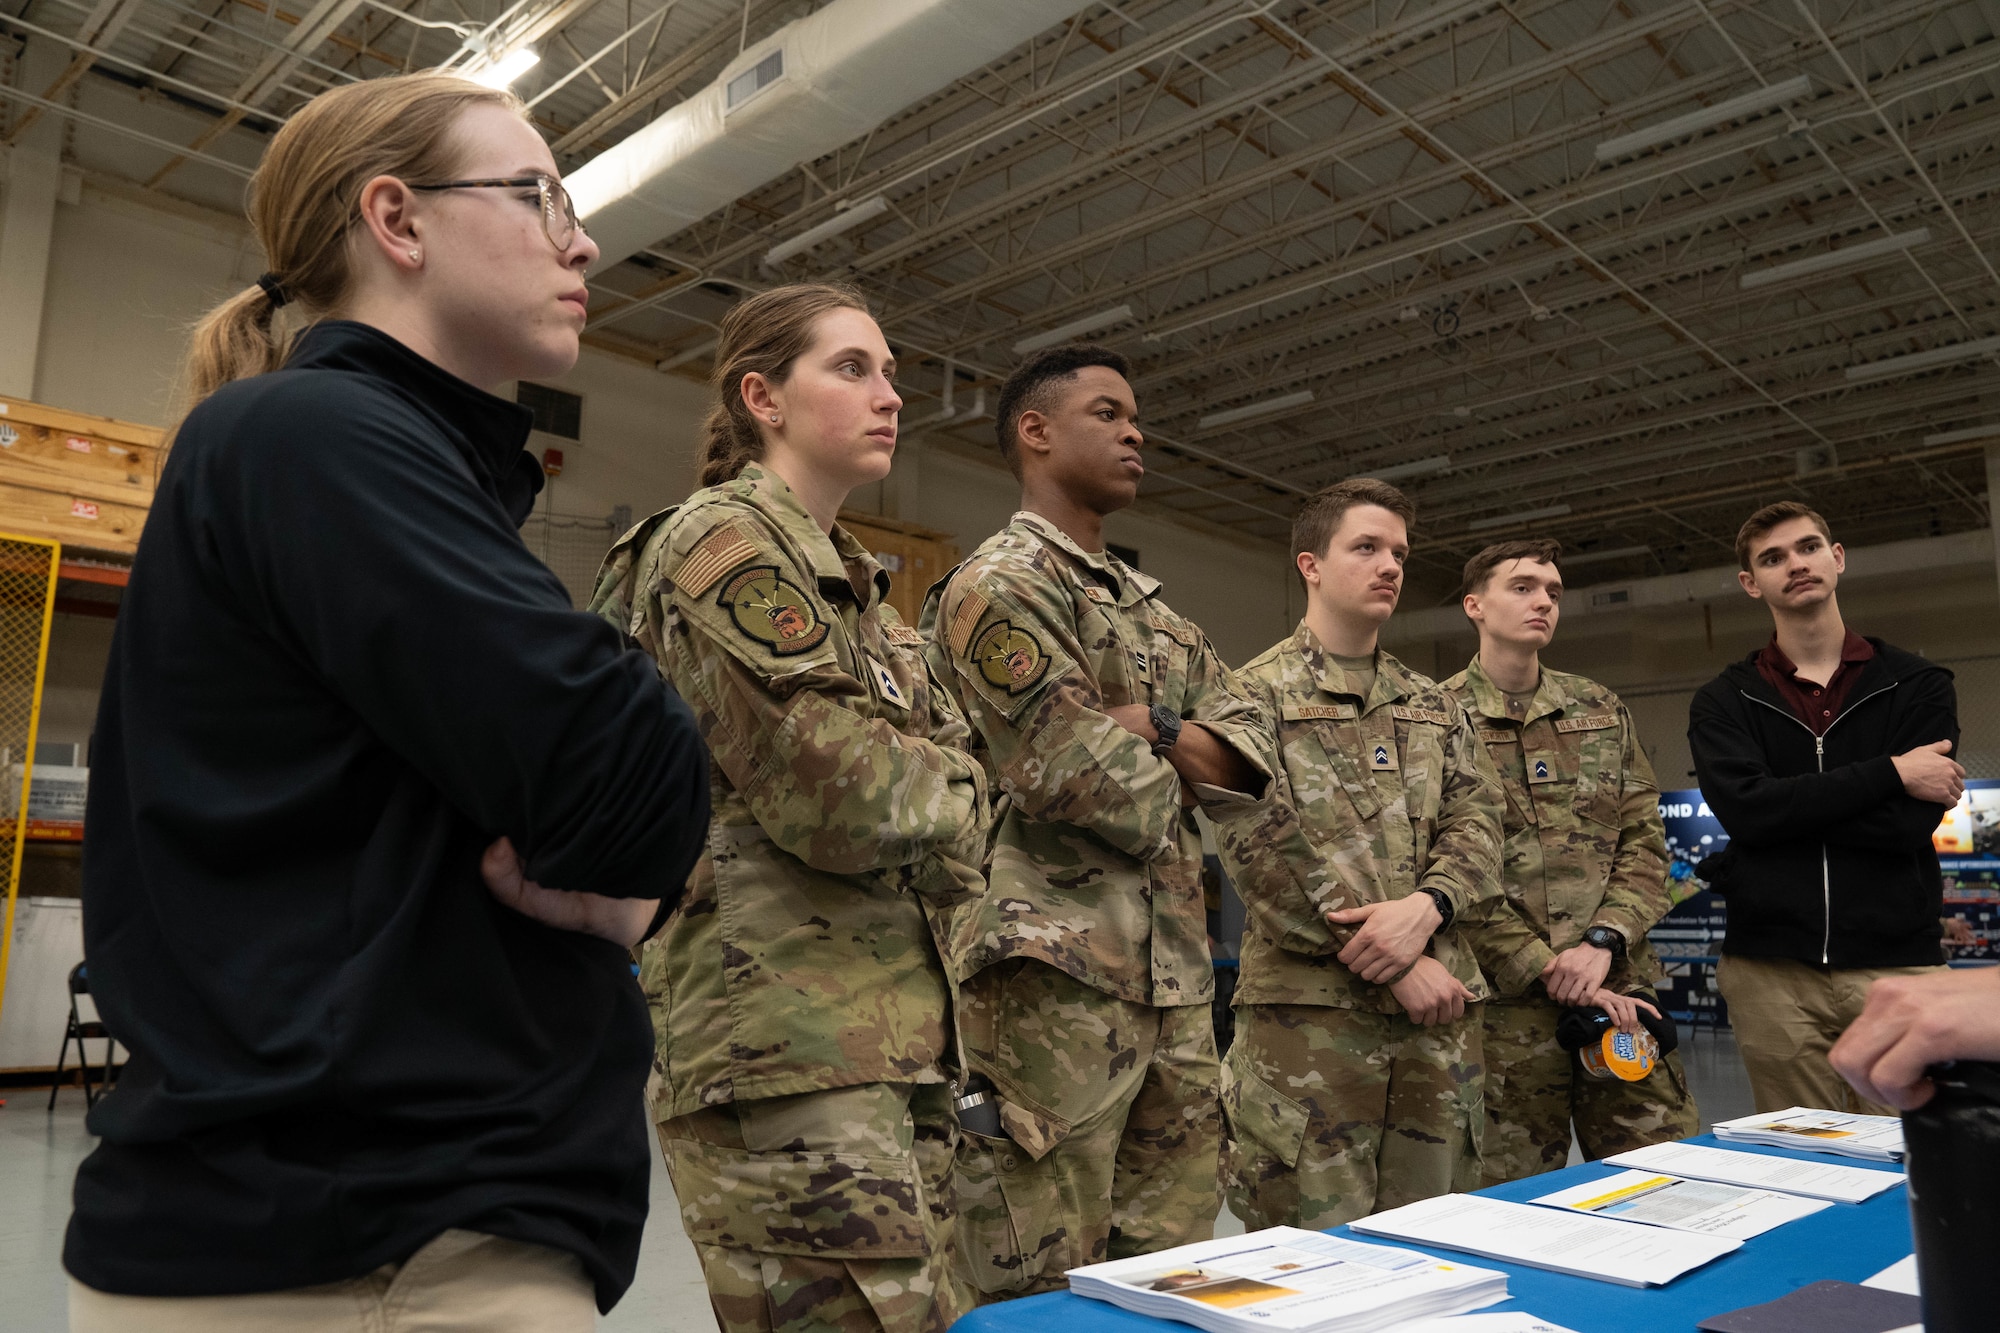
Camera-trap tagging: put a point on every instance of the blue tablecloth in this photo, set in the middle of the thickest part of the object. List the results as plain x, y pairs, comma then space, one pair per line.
1845, 1241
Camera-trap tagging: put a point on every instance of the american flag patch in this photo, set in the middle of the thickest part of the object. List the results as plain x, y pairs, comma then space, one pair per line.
967, 620
715, 555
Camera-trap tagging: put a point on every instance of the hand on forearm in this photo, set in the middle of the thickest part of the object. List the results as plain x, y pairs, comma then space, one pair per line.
1391, 937
1431, 995
1929, 774
1199, 755
1575, 973
623, 921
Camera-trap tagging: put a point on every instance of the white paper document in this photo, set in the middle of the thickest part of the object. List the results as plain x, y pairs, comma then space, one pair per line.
1705, 1206
1899, 1276
1508, 1321
1286, 1278
1878, 1138
1560, 1241
1787, 1175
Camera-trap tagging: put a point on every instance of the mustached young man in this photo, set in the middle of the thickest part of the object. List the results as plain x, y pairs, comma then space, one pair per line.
1826, 755
1585, 878
1354, 1082
1084, 971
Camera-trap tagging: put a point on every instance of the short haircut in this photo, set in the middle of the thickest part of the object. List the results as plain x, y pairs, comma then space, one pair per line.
1479, 569
1316, 522
1770, 516
1029, 388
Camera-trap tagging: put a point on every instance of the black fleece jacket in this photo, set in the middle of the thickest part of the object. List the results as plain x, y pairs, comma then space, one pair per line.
1830, 861
337, 675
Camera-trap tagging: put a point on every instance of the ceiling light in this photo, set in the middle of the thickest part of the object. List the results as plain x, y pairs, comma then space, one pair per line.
1103, 319
1593, 557
1847, 254
502, 72
1680, 126
1423, 467
1988, 431
1916, 361
844, 221
1525, 516
1263, 409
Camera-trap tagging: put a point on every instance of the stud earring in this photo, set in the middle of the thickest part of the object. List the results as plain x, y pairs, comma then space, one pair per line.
414, 256
774, 418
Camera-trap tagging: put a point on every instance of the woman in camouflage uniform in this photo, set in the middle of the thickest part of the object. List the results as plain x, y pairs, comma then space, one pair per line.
802, 1017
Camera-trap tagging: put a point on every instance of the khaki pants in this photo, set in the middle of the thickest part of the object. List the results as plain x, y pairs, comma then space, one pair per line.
1112, 1138
462, 1282
1787, 1015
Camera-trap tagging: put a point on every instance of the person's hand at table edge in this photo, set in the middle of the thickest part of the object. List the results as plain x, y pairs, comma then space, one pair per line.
1911, 1023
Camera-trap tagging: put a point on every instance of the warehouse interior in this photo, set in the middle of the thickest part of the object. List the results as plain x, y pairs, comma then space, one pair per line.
1612, 273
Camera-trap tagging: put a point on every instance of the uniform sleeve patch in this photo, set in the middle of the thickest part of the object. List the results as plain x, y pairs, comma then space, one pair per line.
1311, 712
715, 555
970, 612
903, 636
770, 609
1009, 658
1498, 735
1590, 722
1405, 713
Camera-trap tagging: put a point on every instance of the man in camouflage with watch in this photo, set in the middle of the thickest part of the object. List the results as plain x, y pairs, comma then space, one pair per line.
1354, 1083
1084, 972
1585, 877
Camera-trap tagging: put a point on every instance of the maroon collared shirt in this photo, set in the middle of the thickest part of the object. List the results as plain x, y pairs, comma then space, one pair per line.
1814, 704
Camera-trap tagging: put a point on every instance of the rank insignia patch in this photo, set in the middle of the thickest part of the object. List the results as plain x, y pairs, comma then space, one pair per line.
1540, 769
1009, 659
1382, 759
773, 611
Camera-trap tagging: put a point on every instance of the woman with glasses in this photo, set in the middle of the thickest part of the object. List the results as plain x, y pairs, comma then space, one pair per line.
377, 815
802, 1012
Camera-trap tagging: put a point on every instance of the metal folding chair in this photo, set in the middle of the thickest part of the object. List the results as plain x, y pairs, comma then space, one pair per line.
79, 1030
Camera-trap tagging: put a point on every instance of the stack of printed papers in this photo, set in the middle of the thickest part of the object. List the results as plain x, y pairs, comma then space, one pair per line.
1562, 1242
1285, 1278
1685, 1205
1788, 1175
1878, 1138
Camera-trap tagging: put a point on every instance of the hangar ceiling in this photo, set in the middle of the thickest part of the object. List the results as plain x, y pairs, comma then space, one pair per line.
1612, 271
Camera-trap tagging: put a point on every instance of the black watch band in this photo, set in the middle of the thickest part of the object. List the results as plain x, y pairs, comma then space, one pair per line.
1604, 937
1168, 723
1445, 913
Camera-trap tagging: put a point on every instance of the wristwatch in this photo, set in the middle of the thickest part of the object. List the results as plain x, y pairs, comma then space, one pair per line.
1604, 937
1445, 913
1168, 723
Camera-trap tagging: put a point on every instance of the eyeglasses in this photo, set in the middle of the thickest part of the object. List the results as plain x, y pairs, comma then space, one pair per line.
559, 222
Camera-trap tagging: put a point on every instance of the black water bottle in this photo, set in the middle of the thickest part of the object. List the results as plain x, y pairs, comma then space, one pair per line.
1953, 1157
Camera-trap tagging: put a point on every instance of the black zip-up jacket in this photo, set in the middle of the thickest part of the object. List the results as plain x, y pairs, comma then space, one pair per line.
337, 675
1830, 862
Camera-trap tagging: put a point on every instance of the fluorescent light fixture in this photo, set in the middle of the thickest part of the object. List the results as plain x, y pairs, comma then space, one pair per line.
1525, 516
1990, 430
1423, 467
844, 221
1614, 553
502, 72
1263, 409
1847, 254
1917, 361
1076, 328
1757, 99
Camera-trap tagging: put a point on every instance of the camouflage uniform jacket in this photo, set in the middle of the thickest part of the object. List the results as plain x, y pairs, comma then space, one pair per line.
1585, 846
1379, 798
847, 806
1096, 867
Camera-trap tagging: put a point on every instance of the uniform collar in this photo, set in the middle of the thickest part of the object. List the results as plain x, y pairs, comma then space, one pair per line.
1392, 682
1552, 696
1126, 583
837, 560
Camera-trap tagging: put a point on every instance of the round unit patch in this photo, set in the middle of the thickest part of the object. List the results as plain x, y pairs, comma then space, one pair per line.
1009, 659
773, 611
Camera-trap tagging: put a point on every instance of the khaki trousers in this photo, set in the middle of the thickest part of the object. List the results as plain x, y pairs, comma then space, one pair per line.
1787, 1015
462, 1282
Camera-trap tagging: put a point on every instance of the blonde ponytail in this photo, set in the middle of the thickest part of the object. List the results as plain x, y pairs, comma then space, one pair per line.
306, 196
764, 335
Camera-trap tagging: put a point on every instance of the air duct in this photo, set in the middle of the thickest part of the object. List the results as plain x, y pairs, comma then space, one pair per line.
815, 84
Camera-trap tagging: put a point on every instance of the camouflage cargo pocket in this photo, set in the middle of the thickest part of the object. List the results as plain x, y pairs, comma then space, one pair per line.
834, 1205
1261, 1120
993, 1215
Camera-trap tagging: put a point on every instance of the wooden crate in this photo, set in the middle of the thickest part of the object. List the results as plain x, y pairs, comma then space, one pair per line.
915, 557
81, 480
